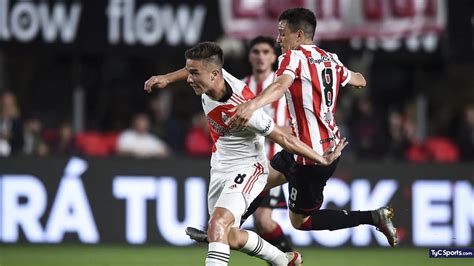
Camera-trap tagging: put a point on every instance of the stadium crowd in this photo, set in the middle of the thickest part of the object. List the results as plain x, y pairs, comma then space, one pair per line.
158, 132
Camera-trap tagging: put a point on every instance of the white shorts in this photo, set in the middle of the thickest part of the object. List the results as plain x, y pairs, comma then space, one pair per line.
235, 190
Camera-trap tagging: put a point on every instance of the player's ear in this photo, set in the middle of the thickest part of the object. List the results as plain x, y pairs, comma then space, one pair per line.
214, 74
300, 35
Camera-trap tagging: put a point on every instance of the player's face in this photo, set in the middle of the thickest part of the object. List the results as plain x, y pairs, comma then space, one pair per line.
261, 57
200, 76
287, 39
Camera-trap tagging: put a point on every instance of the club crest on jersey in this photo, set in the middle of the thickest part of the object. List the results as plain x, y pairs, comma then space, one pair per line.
328, 116
225, 118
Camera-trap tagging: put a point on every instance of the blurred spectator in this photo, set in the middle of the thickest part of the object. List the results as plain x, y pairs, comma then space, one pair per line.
33, 142
465, 134
64, 142
139, 142
160, 111
11, 135
198, 141
164, 122
399, 142
366, 131
410, 125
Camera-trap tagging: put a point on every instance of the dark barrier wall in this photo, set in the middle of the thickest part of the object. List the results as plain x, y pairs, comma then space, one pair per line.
117, 200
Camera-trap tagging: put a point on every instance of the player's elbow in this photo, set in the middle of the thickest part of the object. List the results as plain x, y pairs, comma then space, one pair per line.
282, 84
289, 143
279, 89
358, 80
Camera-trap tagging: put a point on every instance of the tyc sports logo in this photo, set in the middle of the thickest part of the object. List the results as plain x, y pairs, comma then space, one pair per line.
451, 253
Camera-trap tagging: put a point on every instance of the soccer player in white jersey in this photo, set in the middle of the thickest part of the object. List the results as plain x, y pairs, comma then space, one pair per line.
238, 164
311, 79
262, 56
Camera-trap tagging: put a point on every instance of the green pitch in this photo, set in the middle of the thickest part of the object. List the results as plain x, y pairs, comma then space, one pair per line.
73, 255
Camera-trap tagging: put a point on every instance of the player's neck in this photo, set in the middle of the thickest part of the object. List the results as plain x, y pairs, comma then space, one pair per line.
219, 92
305, 42
261, 76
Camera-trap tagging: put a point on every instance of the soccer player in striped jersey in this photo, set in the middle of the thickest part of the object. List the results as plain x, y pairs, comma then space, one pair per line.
239, 167
262, 56
311, 78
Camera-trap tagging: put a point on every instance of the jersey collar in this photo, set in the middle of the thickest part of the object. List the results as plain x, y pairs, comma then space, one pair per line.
228, 93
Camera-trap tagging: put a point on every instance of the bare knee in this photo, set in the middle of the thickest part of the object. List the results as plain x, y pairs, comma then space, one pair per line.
220, 224
297, 220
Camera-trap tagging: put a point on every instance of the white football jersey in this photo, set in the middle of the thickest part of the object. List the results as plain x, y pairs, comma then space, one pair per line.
234, 149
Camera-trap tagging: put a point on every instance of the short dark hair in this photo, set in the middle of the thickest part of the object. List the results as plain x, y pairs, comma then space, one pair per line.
208, 51
300, 18
262, 39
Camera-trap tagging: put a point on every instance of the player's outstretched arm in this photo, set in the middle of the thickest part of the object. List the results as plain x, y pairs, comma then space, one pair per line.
294, 145
161, 81
357, 80
273, 92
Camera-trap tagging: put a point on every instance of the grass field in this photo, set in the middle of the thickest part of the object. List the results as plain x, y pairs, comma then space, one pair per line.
160, 256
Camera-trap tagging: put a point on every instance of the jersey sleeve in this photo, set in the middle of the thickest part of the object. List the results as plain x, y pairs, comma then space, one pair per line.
261, 123
344, 74
287, 64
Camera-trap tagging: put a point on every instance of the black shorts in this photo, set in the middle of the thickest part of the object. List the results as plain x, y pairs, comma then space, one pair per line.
305, 182
275, 199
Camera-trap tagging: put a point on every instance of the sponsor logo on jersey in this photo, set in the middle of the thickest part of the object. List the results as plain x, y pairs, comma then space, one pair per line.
323, 59
326, 140
219, 129
269, 125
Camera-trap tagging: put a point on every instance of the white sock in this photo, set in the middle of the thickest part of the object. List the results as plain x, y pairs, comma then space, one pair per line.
218, 254
258, 247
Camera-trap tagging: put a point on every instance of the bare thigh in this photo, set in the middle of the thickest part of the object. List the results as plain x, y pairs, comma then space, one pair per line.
275, 179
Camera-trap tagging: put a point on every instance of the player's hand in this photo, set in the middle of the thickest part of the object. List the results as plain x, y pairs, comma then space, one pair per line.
332, 153
159, 81
242, 114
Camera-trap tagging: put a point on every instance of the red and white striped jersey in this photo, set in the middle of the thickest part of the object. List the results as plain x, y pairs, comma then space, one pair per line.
234, 149
276, 110
317, 77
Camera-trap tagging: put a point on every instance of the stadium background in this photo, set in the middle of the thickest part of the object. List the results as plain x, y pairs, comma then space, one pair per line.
80, 66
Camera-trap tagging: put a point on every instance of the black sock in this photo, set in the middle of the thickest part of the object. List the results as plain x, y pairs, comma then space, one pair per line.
336, 219
282, 243
253, 206
278, 239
